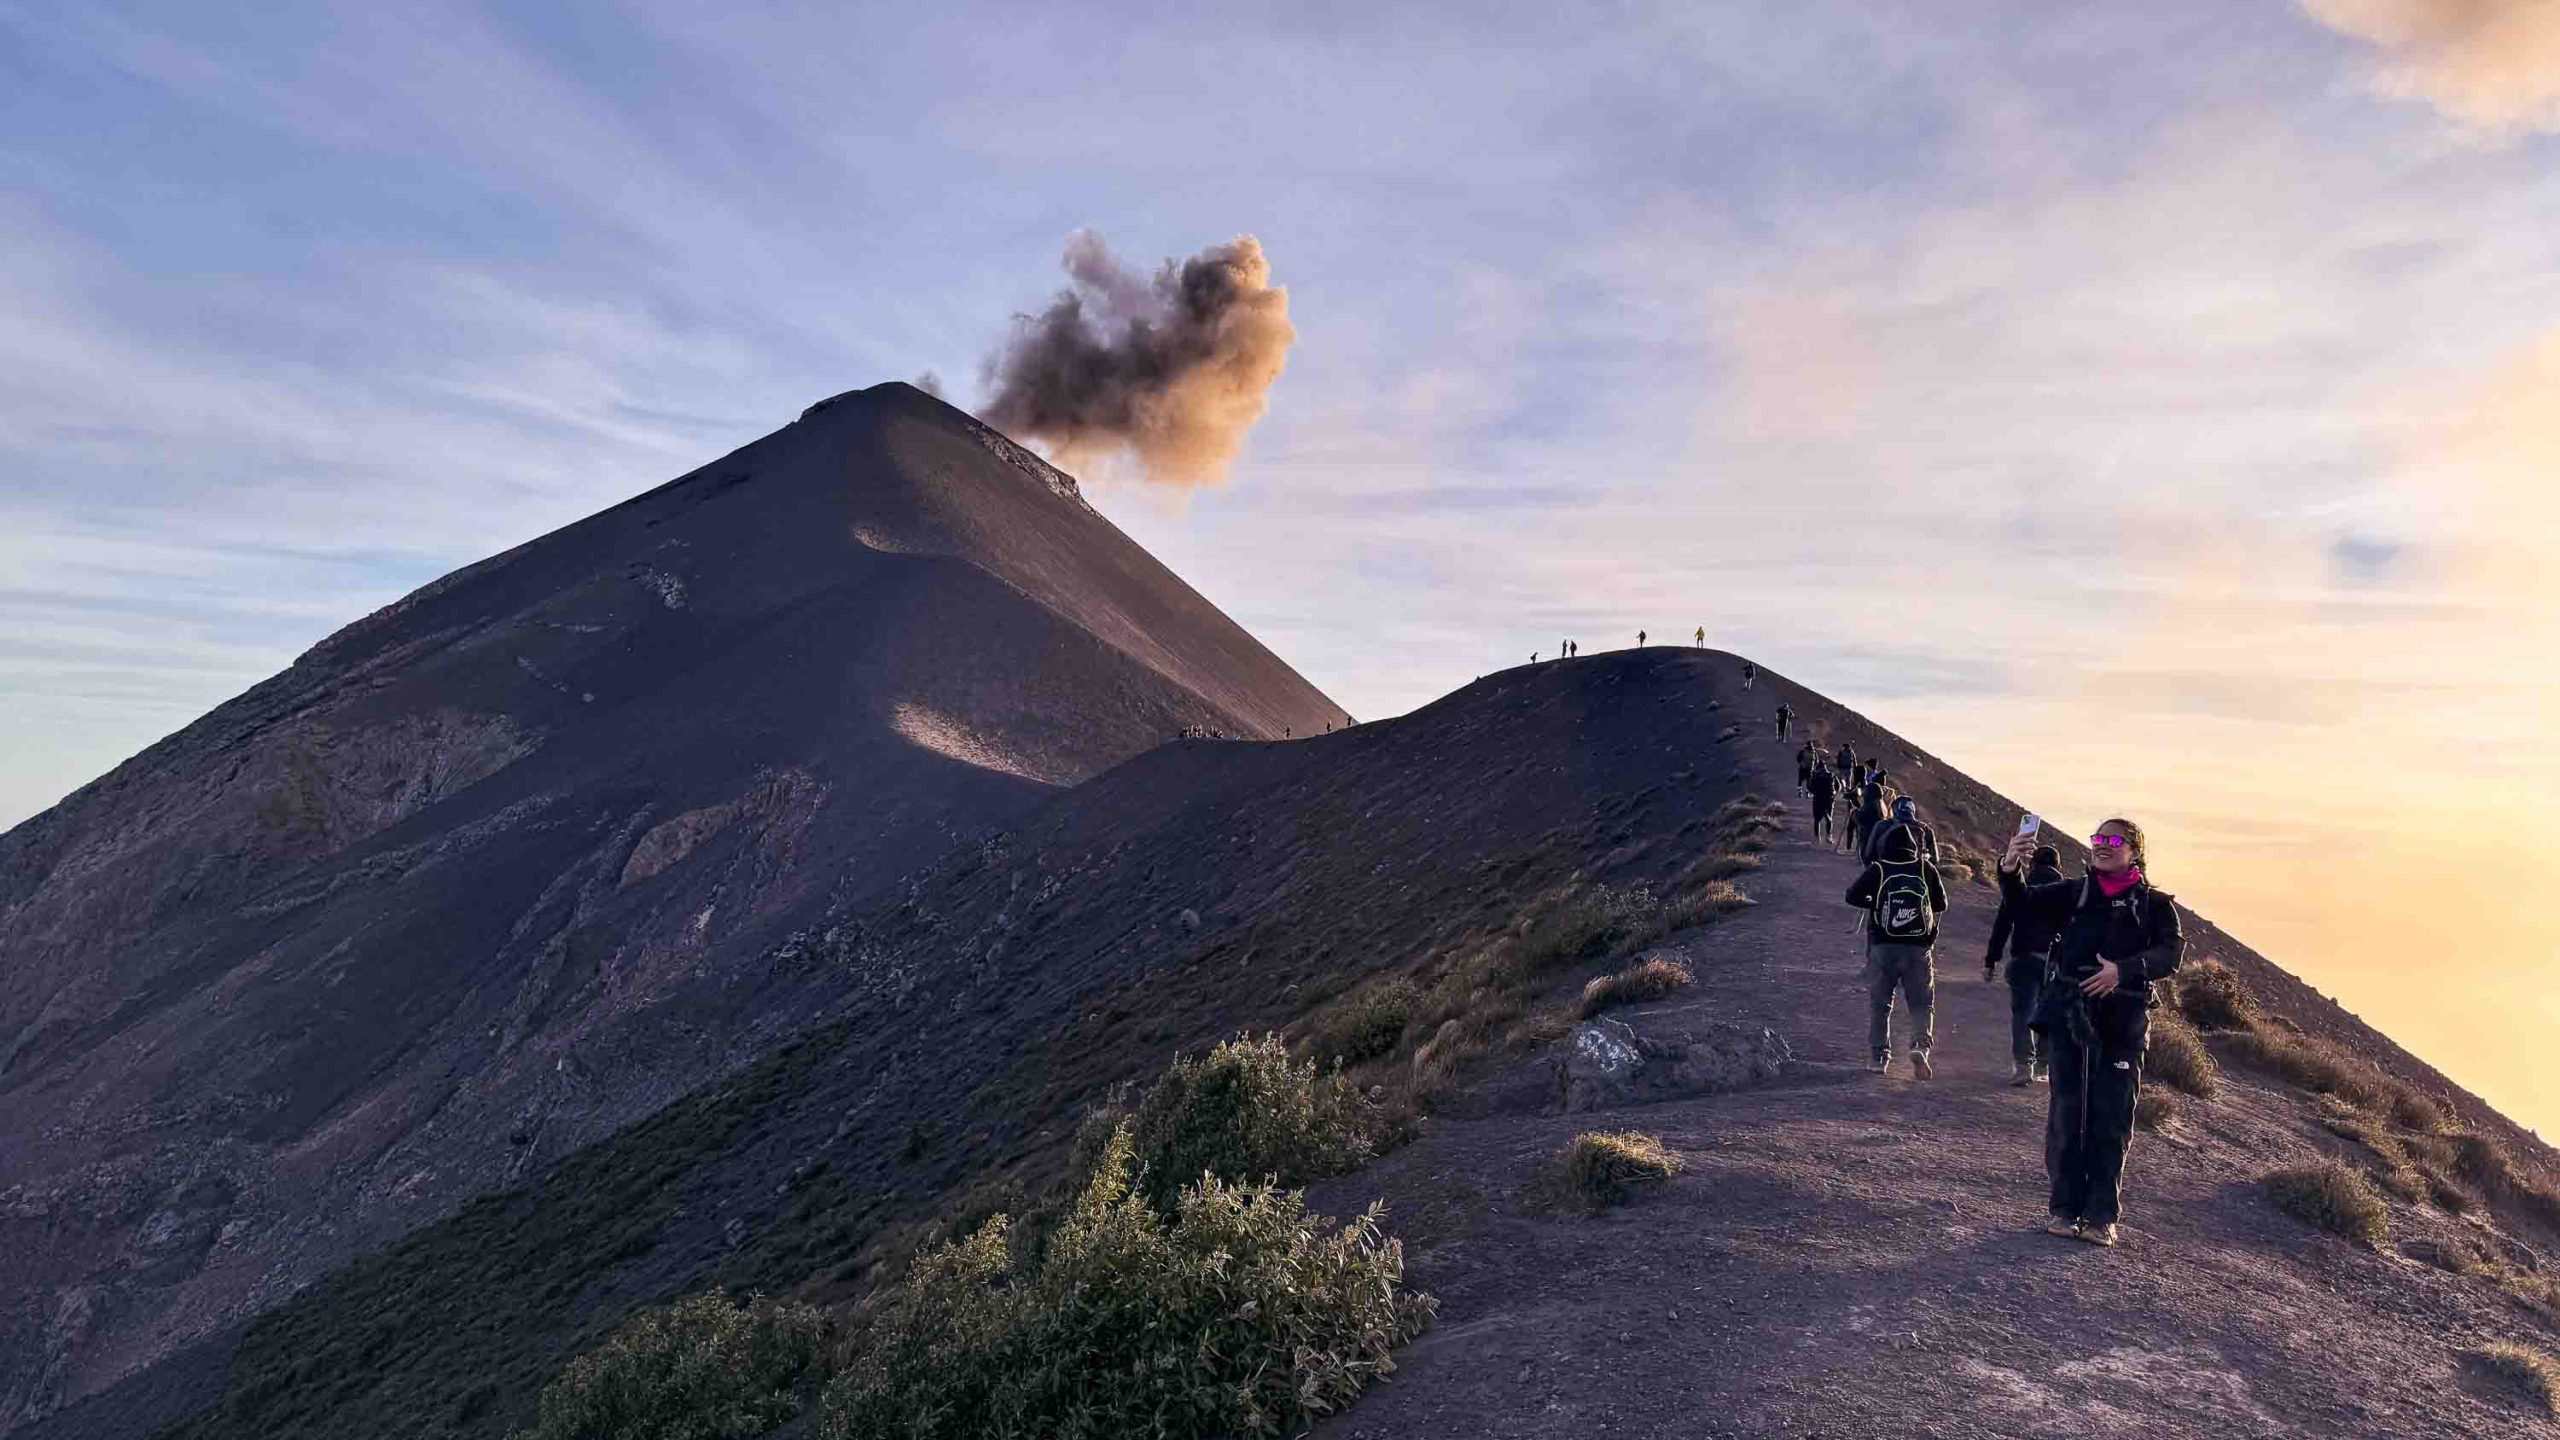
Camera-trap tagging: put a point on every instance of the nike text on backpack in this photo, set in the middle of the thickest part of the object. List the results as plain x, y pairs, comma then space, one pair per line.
1902, 904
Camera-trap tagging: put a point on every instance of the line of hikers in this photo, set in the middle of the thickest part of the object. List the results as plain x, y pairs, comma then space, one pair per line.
2082, 958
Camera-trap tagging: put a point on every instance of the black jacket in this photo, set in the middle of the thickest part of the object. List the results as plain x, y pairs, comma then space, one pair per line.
1825, 787
2138, 929
1862, 894
1926, 838
2028, 939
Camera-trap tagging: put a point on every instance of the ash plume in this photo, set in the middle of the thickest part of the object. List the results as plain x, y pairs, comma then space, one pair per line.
1169, 372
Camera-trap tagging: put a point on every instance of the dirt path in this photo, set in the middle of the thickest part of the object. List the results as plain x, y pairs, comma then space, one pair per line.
1849, 1255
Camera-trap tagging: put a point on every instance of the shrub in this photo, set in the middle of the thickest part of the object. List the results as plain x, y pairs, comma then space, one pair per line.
1602, 1168
1236, 1314
1588, 923
704, 1368
1648, 979
2179, 1060
2153, 1109
2335, 1198
2414, 1109
2454, 1254
1365, 1026
2528, 1371
2210, 995
2309, 1064
1705, 905
1246, 1111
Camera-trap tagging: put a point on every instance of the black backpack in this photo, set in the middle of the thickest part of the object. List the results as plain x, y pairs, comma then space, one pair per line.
1902, 911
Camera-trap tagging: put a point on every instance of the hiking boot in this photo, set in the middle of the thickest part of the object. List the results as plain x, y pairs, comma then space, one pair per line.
1880, 1063
1920, 1067
2062, 1225
2022, 1074
2098, 1234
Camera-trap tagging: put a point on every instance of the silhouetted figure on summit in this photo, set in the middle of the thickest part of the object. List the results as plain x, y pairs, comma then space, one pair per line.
2116, 935
1639, 639
1698, 638
1903, 895
1750, 671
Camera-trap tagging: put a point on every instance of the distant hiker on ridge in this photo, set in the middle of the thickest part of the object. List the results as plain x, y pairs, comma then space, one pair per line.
1699, 639
2030, 947
1750, 671
1903, 896
1639, 639
1824, 787
2117, 935
1806, 759
1786, 717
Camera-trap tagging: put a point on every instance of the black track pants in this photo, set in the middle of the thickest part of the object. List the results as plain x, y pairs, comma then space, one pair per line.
2090, 1121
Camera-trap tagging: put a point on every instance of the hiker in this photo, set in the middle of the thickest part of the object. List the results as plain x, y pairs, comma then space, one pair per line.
1905, 814
2115, 936
1750, 671
2030, 949
1848, 762
1871, 812
1824, 787
1639, 639
1903, 895
1806, 759
1786, 717
1700, 640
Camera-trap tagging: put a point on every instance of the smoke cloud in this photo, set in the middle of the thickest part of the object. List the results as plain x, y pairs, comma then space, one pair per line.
2493, 64
1169, 372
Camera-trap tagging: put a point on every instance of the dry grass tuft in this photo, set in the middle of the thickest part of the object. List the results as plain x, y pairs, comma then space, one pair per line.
2334, 1197
2154, 1109
2533, 1375
2310, 1065
1365, 1026
2178, 1059
1704, 906
2211, 996
1649, 979
1602, 1168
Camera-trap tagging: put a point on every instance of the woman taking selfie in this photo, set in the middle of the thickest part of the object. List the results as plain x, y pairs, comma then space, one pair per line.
2115, 936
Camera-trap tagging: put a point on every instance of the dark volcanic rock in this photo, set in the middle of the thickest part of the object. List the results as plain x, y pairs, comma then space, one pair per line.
1607, 1062
500, 868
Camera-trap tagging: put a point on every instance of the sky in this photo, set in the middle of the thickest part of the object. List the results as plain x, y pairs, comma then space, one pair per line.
2151, 408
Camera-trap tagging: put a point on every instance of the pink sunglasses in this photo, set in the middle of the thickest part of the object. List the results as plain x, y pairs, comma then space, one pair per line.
2108, 842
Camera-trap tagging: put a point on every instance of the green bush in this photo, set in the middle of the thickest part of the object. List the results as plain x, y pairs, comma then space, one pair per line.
2210, 995
1246, 1111
2335, 1198
704, 1368
2177, 1059
1649, 979
1603, 1169
1237, 1314
2530, 1373
1366, 1025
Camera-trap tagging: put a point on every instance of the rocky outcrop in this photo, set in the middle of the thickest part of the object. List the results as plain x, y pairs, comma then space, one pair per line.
1607, 1063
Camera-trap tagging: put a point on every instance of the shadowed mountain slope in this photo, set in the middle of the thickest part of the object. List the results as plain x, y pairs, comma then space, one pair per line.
498, 869
1842, 1256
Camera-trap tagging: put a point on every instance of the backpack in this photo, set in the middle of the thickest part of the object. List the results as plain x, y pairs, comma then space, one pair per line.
1902, 904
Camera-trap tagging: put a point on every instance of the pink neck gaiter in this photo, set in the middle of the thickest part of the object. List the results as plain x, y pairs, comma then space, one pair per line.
2116, 882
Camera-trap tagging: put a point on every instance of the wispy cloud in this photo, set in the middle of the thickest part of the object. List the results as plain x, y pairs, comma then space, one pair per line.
2492, 64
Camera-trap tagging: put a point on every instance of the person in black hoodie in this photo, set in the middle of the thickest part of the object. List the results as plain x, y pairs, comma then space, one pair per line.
1804, 769
1905, 815
2030, 948
1903, 895
2115, 936
1871, 812
1824, 787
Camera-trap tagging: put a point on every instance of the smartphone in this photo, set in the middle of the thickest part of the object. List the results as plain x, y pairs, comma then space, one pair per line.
2028, 824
